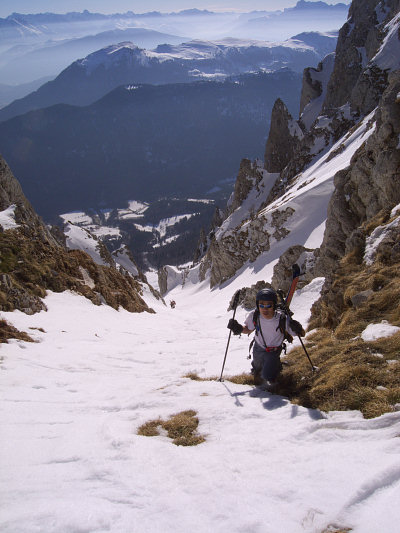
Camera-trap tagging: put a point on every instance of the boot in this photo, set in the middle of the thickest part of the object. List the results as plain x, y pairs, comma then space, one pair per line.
257, 378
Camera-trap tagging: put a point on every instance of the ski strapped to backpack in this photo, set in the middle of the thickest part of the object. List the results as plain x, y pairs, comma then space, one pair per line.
286, 303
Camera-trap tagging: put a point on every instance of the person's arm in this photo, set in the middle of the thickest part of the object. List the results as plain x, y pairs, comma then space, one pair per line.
238, 329
295, 328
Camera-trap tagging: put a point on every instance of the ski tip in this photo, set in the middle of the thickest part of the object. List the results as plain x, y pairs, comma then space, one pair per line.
296, 270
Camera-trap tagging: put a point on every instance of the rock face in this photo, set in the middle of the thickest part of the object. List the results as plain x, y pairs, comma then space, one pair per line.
283, 138
11, 194
315, 82
357, 43
33, 261
368, 187
247, 179
303, 257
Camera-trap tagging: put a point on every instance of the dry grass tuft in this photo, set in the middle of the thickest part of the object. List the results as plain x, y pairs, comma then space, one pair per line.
181, 428
335, 529
195, 377
240, 379
9, 332
150, 429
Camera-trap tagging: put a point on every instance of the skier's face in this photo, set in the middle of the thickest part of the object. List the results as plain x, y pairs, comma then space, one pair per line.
266, 308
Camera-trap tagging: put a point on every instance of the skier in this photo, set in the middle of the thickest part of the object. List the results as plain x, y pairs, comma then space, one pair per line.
272, 328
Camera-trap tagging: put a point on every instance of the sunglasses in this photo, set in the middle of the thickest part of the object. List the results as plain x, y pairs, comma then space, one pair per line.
268, 306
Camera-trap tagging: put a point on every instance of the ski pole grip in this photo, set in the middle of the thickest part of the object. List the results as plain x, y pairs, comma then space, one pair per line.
236, 299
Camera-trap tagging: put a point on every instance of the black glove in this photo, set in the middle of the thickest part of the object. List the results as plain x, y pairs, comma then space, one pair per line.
296, 327
234, 326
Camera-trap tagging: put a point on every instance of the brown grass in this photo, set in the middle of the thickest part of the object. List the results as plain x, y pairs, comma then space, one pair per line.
195, 377
9, 332
181, 428
240, 379
351, 369
334, 529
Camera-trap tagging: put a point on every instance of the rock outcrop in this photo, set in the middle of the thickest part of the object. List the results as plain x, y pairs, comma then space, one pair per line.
32, 261
283, 138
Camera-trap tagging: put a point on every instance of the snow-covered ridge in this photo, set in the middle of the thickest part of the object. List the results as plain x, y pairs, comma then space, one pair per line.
230, 50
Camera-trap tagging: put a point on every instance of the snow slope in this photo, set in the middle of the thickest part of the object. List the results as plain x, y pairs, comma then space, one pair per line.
72, 402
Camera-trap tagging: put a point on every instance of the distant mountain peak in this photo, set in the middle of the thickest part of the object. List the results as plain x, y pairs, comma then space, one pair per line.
304, 4
107, 56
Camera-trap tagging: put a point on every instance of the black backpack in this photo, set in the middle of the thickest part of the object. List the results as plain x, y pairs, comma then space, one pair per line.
281, 327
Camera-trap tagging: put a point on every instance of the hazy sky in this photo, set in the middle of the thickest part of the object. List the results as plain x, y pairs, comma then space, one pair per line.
141, 6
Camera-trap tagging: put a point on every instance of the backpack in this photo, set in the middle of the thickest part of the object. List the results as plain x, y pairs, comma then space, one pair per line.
281, 327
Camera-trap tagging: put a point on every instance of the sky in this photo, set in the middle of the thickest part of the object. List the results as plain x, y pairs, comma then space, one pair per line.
141, 6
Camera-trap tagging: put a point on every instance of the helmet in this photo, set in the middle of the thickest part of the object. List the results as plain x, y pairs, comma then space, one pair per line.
268, 295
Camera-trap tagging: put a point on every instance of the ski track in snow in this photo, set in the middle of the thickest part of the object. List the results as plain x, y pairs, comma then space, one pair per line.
72, 462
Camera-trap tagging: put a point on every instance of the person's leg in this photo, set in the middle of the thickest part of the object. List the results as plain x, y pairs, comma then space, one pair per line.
271, 365
257, 363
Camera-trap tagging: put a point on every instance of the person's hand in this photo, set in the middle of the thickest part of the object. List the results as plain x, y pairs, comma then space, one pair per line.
296, 327
234, 326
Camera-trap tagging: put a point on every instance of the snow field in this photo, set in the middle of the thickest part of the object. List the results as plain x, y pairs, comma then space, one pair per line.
71, 405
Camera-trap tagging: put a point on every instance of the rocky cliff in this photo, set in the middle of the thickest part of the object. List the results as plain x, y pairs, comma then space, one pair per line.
33, 260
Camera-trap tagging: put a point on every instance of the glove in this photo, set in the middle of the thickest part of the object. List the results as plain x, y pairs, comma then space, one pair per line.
235, 327
296, 327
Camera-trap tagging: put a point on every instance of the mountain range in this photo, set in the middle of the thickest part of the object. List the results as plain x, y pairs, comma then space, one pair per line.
142, 142
34, 46
88, 79
30, 61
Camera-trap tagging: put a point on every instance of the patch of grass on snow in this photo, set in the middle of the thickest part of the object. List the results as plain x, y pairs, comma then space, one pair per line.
10, 332
240, 379
181, 428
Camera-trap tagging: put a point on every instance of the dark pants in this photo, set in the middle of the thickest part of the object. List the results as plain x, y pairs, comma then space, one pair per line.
268, 364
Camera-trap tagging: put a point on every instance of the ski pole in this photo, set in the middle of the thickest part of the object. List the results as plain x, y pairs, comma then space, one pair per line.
314, 368
235, 304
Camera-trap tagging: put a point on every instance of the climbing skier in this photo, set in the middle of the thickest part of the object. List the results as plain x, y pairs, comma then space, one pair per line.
272, 328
